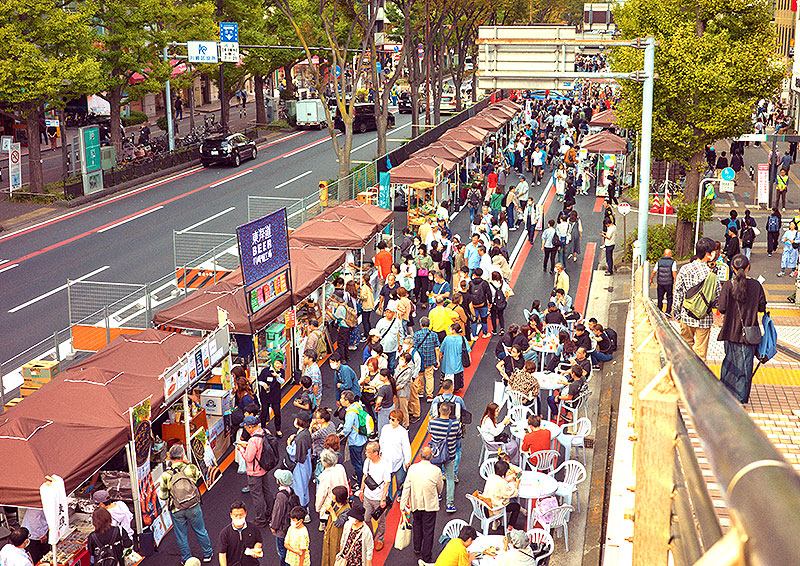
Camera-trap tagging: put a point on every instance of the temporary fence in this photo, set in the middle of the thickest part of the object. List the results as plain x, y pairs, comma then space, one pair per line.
203, 258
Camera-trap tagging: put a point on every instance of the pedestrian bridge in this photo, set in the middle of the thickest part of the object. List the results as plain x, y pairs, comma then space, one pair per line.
695, 479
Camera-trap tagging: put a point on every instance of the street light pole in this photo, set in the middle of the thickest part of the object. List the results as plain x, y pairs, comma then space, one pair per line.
168, 101
647, 134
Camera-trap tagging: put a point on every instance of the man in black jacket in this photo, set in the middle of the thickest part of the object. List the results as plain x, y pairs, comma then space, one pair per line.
240, 542
480, 294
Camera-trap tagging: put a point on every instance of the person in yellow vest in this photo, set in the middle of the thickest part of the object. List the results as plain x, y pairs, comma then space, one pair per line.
781, 184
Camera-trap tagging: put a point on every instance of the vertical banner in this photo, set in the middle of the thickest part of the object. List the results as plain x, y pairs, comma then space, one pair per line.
203, 457
54, 505
385, 195
143, 441
762, 183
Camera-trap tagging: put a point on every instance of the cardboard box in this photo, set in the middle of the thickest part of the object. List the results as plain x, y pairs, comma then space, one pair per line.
26, 390
41, 369
36, 381
13, 402
216, 402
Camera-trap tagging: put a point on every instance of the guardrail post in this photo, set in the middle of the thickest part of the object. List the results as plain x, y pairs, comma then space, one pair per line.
657, 410
147, 306
108, 324
55, 343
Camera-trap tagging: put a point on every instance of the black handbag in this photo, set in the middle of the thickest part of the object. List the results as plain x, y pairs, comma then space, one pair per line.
466, 361
381, 510
750, 334
370, 482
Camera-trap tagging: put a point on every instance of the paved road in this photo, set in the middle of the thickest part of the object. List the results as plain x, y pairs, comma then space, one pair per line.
128, 237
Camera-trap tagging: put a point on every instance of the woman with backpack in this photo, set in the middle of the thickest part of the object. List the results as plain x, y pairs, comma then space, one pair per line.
500, 291
740, 301
107, 543
452, 364
748, 233
791, 243
773, 228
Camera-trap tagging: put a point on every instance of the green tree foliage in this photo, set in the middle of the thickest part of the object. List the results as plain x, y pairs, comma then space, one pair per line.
48, 55
714, 60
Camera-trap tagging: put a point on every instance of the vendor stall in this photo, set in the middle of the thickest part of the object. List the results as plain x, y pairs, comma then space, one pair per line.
604, 119
611, 150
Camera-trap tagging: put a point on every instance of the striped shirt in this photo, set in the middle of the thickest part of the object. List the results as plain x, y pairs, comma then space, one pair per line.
438, 429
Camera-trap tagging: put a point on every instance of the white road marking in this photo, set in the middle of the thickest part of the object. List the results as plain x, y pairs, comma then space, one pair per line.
9, 267
209, 219
57, 289
293, 179
2, 261
242, 174
363, 145
323, 140
121, 222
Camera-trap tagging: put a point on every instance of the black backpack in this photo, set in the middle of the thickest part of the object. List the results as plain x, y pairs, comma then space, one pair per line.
268, 458
105, 555
555, 242
478, 293
499, 301
612, 337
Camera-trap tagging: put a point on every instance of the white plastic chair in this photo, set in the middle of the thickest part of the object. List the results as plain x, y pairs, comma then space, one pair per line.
486, 515
568, 440
453, 528
544, 460
553, 329
574, 473
574, 406
488, 447
519, 415
542, 537
487, 468
556, 518
517, 398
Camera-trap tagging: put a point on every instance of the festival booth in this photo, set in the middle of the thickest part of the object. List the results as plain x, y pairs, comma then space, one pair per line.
610, 150
604, 119
132, 386
421, 181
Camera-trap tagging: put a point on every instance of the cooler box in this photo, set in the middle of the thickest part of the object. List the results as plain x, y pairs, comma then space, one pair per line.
275, 335
40, 371
216, 402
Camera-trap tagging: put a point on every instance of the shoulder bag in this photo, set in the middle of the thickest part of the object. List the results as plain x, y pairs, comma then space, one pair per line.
750, 334
466, 361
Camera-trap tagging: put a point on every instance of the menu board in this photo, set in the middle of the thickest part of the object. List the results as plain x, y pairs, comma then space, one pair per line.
196, 363
268, 291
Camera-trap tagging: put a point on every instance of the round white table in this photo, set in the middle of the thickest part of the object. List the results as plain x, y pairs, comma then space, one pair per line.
482, 543
519, 430
543, 348
533, 486
549, 381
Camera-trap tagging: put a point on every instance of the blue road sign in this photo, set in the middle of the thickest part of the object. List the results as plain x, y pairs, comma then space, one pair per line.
728, 174
378, 65
228, 31
338, 70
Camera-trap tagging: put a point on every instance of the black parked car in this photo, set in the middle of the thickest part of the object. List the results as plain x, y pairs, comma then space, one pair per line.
404, 103
228, 148
363, 120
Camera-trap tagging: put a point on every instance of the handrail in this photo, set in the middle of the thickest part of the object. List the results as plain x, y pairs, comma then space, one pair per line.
760, 487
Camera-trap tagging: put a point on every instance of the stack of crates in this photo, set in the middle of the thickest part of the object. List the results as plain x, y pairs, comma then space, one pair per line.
36, 373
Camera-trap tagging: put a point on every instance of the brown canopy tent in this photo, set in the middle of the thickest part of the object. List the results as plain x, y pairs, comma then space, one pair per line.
149, 353
340, 232
447, 150
78, 421
509, 103
438, 155
198, 311
466, 132
362, 212
604, 119
448, 163
412, 171
489, 123
468, 147
604, 142
499, 110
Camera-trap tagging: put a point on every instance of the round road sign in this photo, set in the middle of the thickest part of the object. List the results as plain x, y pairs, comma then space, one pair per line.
624, 208
728, 174
14, 156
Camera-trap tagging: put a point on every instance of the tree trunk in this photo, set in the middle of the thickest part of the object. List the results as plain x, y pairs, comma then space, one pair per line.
64, 153
474, 78
115, 102
287, 71
35, 178
343, 153
261, 109
191, 107
684, 236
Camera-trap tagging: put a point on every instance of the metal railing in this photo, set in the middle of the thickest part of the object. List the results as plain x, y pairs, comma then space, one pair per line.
673, 510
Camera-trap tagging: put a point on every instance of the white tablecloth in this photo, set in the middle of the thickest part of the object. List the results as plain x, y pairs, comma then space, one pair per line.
533, 486
483, 542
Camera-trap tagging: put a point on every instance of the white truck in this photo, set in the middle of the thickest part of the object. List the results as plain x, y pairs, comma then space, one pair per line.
310, 113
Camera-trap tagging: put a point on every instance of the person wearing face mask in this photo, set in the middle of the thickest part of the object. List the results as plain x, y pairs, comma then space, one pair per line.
240, 543
14, 553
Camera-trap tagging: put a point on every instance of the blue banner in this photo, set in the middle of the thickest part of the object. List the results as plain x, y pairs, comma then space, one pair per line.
263, 246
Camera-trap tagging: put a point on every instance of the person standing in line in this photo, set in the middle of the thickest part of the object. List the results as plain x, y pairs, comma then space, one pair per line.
773, 228
548, 247
748, 233
367, 298
240, 543
421, 491
609, 241
695, 331
107, 535
740, 301
791, 243
343, 329
178, 487
13, 552
285, 501
257, 477
396, 449
121, 516
357, 545
338, 509
297, 541
298, 448
311, 369
665, 272
355, 440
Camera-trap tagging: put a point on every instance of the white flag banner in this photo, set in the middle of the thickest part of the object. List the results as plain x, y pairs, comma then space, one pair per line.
54, 504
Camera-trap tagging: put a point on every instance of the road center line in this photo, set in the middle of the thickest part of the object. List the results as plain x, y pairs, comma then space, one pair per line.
57, 289
293, 179
9, 267
242, 174
209, 219
121, 222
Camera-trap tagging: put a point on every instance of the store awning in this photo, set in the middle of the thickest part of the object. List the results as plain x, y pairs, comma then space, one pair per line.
338, 232
604, 119
70, 427
412, 171
311, 265
150, 352
604, 142
360, 211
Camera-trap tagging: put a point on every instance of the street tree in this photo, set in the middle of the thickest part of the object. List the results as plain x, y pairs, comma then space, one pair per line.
48, 55
347, 29
714, 60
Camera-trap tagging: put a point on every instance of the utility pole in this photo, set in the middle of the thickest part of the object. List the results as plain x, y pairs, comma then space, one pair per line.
647, 134
168, 108
223, 106
427, 66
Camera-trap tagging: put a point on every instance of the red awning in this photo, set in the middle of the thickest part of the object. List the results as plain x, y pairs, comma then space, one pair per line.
178, 69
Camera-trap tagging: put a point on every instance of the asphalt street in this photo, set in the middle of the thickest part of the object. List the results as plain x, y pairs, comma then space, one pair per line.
529, 283
128, 237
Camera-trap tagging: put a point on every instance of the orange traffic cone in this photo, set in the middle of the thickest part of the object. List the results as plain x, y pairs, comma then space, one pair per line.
656, 205
667, 203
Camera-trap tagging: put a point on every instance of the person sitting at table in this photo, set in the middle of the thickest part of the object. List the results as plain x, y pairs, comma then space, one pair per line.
564, 351
554, 316
492, 431
537, 437
500, 488
456, 553
519, 552
581, 337
582, 359
511, 363
575, 380
524, 381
